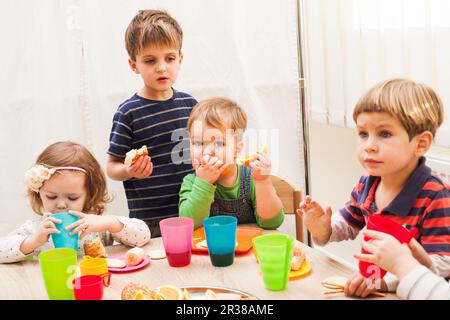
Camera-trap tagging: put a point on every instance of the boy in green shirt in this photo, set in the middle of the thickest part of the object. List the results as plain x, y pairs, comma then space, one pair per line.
220, 186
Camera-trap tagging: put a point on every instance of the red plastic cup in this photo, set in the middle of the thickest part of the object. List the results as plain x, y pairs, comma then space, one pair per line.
386, 225
88, 287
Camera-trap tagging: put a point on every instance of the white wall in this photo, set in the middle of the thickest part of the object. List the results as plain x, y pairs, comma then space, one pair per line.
334, 172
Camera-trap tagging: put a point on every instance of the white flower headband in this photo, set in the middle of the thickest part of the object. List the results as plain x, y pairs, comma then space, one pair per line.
37, 175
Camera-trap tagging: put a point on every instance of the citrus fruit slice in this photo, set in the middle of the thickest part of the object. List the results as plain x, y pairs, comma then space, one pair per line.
168, 292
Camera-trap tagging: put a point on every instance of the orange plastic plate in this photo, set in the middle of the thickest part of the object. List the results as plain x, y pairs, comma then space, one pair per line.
244, 236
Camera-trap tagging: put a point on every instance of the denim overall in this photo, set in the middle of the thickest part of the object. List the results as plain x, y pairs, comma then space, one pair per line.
241, 207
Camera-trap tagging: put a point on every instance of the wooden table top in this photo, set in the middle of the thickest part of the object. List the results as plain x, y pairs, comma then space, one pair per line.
23, 280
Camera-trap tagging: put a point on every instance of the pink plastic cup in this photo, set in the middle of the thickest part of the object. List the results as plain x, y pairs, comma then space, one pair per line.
177, 238
389, 226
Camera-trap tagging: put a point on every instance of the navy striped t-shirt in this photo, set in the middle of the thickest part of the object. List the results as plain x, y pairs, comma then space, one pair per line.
161, 126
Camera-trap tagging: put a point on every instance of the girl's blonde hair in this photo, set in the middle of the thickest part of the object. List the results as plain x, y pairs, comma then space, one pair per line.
71, 154
221, 113
416, 105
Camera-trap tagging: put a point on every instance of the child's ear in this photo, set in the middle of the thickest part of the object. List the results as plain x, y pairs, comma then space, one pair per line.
424, 142
181, 57
133, 66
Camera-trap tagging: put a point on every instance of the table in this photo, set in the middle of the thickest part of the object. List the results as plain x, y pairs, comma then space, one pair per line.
24, 280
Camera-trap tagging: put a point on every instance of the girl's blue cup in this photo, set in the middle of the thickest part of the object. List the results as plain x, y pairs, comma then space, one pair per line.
220, 232
64, 239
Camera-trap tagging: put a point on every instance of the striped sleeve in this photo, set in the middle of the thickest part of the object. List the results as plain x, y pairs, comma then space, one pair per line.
352, 212
435, 236
421, 284
121, 136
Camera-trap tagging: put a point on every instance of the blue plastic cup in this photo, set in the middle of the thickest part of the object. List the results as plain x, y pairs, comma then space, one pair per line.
220, 232
64, 239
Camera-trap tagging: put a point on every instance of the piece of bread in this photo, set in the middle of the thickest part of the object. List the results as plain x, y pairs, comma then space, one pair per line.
94, 248
134, 256
139, 291
132, 155
297, 259
157, 254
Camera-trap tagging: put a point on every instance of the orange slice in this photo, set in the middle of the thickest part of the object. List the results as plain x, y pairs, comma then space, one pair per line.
226, 172
250, 157
247, 159
168, 292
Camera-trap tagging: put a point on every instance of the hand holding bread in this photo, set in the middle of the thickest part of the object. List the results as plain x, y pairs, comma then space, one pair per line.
138, 163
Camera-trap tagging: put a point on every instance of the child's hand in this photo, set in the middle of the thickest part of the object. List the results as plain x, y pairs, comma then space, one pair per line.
210, 169
88, 223
261, 166
388, 253
46, 228
316, 219
358, 286
142, 168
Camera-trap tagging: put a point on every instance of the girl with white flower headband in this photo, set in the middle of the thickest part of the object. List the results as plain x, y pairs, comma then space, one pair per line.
67, 178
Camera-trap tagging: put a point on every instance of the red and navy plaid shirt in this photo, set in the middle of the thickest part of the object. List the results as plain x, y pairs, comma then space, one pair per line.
423, 203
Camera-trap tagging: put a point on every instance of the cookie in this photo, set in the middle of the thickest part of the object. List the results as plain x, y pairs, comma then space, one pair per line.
334, 282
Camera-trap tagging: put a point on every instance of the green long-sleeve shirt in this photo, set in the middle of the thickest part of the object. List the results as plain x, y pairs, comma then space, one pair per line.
197, 195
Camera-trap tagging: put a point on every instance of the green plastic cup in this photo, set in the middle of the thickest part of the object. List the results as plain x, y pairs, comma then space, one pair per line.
59, 268
274, 255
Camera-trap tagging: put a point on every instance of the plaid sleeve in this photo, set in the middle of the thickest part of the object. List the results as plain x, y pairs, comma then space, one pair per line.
435, 233
352, 212
121, 136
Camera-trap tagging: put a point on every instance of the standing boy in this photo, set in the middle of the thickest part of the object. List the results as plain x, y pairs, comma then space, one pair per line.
155, 116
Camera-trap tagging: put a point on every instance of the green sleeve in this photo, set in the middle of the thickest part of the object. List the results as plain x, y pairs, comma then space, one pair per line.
196, 196
273, 223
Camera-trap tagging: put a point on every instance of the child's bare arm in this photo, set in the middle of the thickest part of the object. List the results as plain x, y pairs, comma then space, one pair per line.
419, 253
268, 204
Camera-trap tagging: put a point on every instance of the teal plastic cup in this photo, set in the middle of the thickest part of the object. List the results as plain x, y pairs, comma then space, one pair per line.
64, 239
274, 253
220, 232
59, 267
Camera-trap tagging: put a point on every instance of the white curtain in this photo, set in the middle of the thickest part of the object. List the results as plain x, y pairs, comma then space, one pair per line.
352, 44
65, 71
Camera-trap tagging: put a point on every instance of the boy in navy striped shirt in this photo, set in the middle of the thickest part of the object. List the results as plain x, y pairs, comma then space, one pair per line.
396, 122
156, 116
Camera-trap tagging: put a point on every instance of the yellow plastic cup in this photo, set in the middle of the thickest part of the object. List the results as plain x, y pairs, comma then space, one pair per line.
274, 253
59, 267
95, 266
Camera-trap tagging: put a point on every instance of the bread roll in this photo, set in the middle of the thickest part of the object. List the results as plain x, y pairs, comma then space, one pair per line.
139, 291
132, 155
134, 256
94, 248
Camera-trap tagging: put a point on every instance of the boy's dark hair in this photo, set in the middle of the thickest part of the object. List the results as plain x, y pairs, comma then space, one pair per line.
152, 27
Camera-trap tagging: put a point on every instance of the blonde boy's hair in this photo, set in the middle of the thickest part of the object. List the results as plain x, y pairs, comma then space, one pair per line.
71, 154
221, 113
152, 27
415, 105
